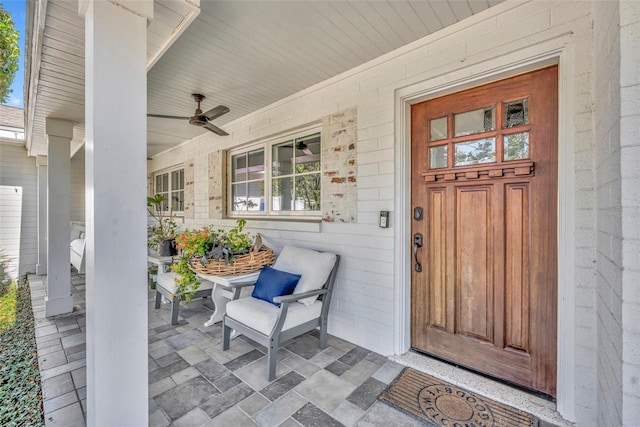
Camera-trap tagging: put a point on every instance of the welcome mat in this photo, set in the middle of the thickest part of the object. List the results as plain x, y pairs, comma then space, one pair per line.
440, 403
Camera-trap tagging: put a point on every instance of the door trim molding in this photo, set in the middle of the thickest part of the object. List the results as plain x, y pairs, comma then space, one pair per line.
558, 50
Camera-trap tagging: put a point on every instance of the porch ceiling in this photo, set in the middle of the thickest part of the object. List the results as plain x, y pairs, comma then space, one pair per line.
242, 54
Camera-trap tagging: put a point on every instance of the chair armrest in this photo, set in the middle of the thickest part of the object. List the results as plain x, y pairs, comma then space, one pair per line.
239, 285
236, 288
296, 297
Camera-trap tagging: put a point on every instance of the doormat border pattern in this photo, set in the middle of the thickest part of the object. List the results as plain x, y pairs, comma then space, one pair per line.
437, 403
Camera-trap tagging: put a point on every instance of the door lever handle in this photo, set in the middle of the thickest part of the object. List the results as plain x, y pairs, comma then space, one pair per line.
417, 243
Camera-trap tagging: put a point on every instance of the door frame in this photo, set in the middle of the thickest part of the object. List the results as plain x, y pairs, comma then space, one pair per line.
559, 51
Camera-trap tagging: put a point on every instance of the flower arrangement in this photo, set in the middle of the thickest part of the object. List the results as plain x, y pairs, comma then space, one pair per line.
205, 244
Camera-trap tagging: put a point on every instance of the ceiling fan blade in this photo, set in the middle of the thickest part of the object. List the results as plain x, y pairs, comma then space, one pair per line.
216, 112
307, 152
215, 129
161, 116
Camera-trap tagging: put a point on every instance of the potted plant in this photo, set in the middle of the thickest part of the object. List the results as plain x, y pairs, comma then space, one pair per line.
217, 252
161, 234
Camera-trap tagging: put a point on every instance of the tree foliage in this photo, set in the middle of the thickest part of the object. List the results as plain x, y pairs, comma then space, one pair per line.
9, 53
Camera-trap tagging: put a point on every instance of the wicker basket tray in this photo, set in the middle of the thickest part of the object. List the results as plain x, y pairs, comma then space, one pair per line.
241, 264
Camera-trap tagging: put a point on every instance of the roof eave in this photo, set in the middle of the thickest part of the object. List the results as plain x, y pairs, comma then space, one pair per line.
36, 15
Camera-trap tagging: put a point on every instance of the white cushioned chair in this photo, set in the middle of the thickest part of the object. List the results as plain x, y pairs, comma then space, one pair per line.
304, 310
77, 246
166, 286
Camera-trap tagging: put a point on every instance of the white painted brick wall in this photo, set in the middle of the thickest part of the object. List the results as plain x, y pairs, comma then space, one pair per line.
365, 287
630, 201
617, 121
16, 169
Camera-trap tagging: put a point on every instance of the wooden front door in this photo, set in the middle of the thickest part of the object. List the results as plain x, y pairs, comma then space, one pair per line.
484, 199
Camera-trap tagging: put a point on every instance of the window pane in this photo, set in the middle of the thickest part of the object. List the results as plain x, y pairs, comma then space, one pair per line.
473, 152
256, 165
306, 163
164, 206
281, 190
165, 182
255, 201
438, 157
308, 154
516, 113
175, 180
239, 167
158, 184
239, 197
282, 159
307, 193
438, 129
516, 146
177, 200
476, 121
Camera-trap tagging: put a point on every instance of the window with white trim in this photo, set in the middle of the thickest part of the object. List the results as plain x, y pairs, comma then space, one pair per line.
170, 184
281, 177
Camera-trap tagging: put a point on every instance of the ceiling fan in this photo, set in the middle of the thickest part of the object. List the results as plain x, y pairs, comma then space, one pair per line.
199, 118
300, 145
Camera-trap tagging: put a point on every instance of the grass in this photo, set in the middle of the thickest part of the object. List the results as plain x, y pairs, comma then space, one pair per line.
20, 390
8, 308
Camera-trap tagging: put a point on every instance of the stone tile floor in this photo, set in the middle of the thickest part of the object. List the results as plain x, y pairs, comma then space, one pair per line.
192, 382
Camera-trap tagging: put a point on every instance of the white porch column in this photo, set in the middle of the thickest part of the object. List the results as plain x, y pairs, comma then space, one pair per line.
115, 181
58, 299
41, 164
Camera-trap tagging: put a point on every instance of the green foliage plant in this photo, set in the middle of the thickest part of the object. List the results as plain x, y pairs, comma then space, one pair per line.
8, 308
190, 243
235, 241
20, 390
165, 226
9, 53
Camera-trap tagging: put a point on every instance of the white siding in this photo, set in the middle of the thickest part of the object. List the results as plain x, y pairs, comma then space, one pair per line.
10, 226
19, 171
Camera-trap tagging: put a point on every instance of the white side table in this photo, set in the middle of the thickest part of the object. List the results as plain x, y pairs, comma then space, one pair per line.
161, 261
222, 293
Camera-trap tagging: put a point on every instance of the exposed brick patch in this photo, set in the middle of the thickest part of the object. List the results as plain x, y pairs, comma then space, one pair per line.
189, 190
216, 184
150, 185
339, 150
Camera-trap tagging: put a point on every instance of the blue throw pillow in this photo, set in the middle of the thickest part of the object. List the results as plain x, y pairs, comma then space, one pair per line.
274, 283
